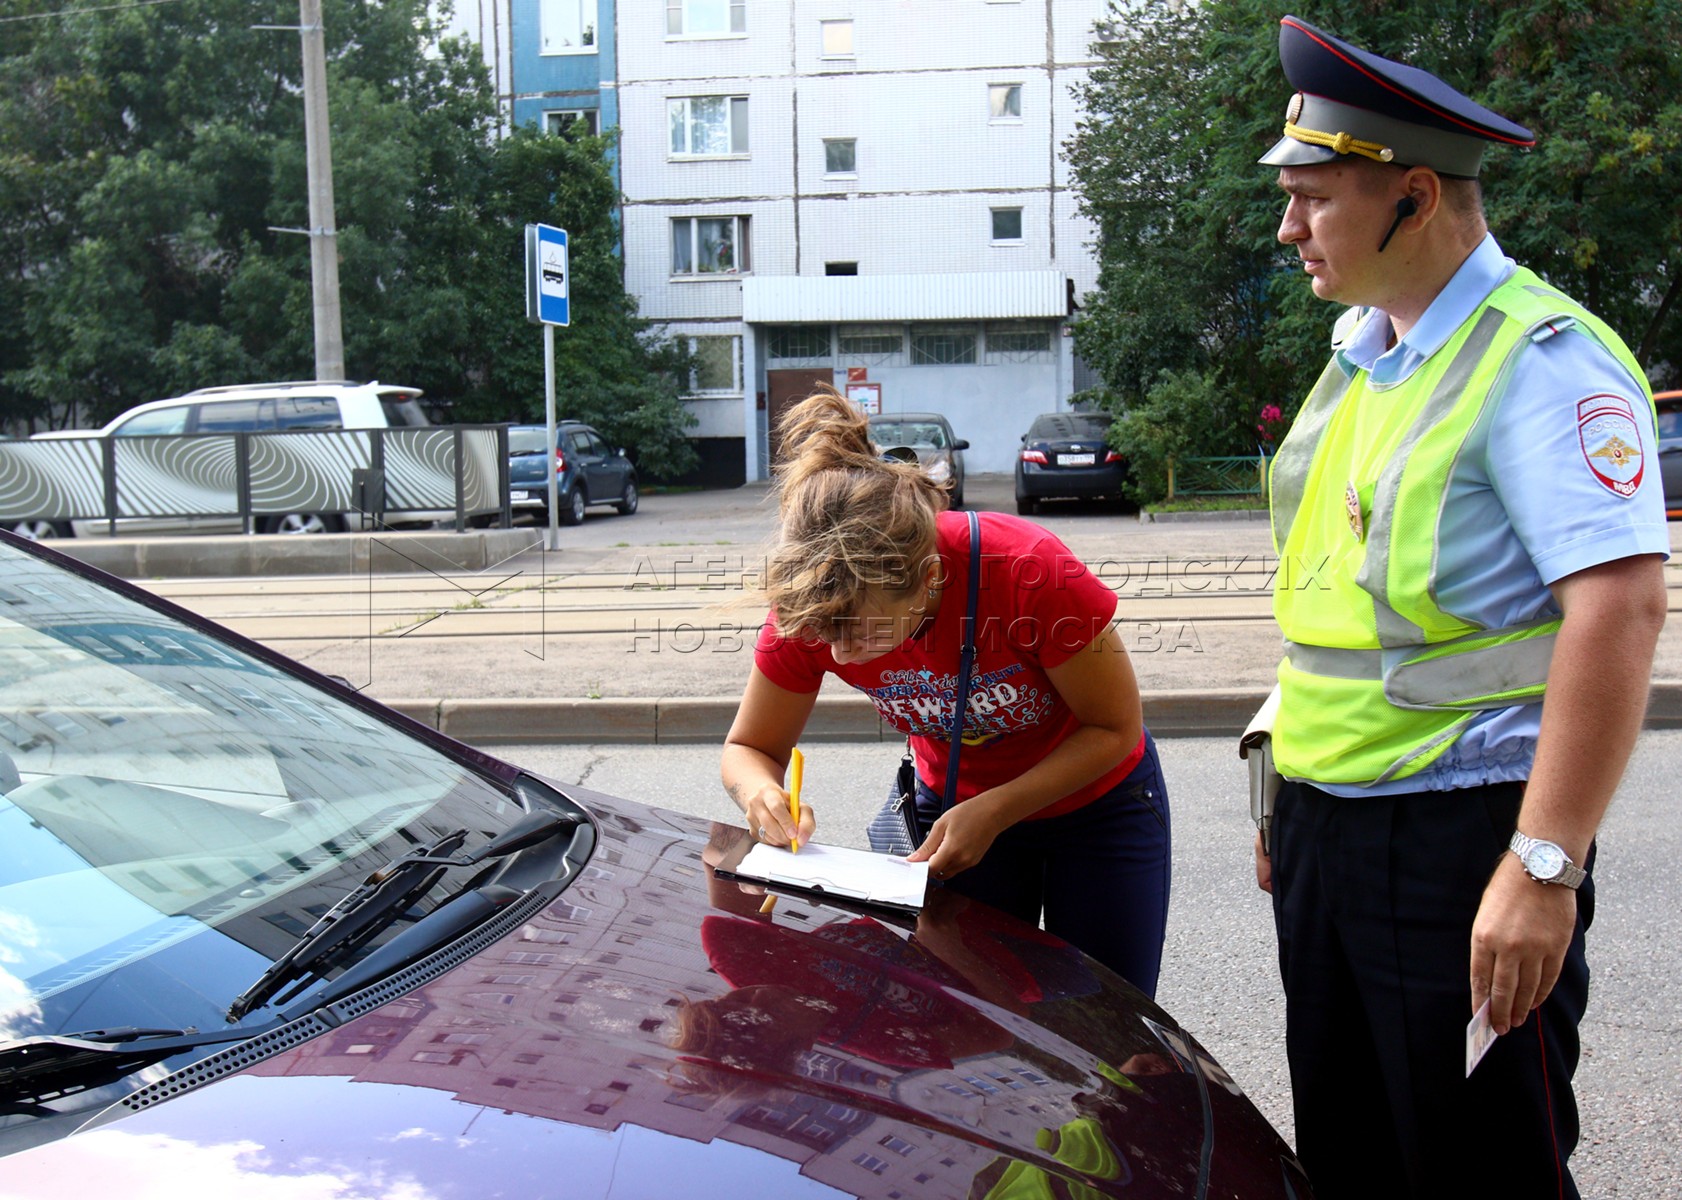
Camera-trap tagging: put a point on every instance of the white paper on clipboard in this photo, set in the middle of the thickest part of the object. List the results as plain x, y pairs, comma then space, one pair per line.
840, 871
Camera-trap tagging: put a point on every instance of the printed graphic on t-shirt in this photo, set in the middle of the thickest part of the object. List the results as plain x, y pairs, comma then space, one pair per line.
1611, 440
920, 702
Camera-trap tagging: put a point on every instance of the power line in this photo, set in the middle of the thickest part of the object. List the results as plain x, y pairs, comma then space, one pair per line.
73, 12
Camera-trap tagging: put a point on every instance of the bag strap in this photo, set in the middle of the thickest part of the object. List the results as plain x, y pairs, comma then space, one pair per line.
966, 663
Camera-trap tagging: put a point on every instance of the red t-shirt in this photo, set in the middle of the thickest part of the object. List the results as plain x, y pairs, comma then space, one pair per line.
1038, 606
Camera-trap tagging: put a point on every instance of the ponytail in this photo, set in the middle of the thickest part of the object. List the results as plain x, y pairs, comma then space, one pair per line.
850, 521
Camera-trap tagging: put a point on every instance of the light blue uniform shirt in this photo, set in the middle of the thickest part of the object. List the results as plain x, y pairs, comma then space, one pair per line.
1525, 506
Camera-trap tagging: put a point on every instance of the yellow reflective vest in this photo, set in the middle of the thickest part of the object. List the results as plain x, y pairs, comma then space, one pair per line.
1377, 679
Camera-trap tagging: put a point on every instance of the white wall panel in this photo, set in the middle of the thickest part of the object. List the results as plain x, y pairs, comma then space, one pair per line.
646, 52
920, 233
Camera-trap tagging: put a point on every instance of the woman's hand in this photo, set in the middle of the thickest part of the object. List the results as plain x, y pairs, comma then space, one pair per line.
959, 838
769, 818
756, 755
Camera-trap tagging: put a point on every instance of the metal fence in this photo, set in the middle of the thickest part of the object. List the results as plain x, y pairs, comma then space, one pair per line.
1236, 475
244, 481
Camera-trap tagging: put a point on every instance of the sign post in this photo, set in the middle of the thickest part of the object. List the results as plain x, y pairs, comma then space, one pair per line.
548, 274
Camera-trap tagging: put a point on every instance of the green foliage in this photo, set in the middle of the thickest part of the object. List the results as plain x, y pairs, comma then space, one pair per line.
148, 153
1171, 422
1197, 303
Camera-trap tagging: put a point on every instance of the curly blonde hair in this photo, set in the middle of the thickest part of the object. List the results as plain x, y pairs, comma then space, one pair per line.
850, 521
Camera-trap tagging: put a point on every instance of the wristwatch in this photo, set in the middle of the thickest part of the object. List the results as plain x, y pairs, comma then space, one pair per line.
1545, 862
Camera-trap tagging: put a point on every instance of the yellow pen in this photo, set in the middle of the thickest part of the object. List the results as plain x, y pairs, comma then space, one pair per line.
796, 768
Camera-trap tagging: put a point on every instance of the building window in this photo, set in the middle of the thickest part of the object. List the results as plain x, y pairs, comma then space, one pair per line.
840, 156
1018, 342
699, 18
873, 345
709, 245
572, 122
841, 268
708, 126
566, 26
942, 345
718, 368
1007, 225
837, 39
1004, 101
870, 1163
807, 343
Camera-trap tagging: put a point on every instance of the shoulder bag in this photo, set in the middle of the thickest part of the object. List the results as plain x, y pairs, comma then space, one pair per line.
895, 828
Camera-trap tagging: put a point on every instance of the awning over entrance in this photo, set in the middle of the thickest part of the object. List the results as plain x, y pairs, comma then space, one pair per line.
973, 296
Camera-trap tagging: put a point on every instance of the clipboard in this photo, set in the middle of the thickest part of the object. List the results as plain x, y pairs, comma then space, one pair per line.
829, 873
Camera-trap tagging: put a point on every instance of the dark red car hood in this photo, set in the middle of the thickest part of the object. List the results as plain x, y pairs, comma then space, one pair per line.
653, 1034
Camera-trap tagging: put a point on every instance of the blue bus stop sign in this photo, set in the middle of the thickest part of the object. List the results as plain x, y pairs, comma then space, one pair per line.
547, 276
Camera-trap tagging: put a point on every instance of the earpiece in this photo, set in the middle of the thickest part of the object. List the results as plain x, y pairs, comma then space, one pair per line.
1405, 208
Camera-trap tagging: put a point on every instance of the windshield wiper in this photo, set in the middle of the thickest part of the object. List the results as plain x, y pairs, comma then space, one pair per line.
34, 1068
384, 895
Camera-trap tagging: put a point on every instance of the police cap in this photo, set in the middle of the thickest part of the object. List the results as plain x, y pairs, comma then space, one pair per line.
1352, 102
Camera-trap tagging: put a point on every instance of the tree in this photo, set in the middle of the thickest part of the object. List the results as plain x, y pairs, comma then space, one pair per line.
151, 155
1201, 318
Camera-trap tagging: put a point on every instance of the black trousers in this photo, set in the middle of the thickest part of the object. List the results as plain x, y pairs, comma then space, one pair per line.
1374, 900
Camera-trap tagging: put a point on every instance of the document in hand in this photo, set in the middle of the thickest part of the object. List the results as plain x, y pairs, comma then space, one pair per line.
840, 872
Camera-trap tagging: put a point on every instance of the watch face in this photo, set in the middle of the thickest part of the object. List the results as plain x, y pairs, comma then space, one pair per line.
1545, 860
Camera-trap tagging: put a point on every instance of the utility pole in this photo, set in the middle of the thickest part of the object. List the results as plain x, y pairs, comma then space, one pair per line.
318, 161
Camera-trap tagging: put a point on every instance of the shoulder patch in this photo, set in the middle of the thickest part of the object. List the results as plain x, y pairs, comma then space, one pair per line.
1610, 437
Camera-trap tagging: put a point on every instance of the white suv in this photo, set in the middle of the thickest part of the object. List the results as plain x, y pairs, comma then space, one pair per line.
249, 408
263, 407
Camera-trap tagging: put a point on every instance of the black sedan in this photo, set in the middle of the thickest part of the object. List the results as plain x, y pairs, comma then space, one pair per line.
260, 936
1065, 456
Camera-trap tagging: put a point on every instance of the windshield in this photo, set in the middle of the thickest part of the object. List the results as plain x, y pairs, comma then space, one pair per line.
1095, 426
174, 812
526, 441
908, 433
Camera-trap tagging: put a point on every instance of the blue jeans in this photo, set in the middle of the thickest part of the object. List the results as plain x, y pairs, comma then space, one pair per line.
1098, 875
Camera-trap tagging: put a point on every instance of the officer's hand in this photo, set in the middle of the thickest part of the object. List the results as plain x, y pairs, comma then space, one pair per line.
1264, 867
1519, 939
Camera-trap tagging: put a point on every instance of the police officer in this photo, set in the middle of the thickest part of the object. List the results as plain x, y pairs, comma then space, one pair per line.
1470, 480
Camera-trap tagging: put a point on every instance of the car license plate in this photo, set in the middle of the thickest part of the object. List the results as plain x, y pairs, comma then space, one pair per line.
1076, 460
519, 495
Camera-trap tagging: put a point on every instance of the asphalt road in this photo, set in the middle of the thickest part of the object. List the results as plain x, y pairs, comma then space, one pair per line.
1219, 977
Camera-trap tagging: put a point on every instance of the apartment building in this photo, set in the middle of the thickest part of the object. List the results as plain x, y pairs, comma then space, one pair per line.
863, 192
562, 56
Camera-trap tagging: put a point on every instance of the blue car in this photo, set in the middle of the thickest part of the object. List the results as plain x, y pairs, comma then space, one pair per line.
589, 472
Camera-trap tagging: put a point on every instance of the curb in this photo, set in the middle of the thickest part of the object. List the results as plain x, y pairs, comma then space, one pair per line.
1200, 516
693, 719
680, 720
387, 552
